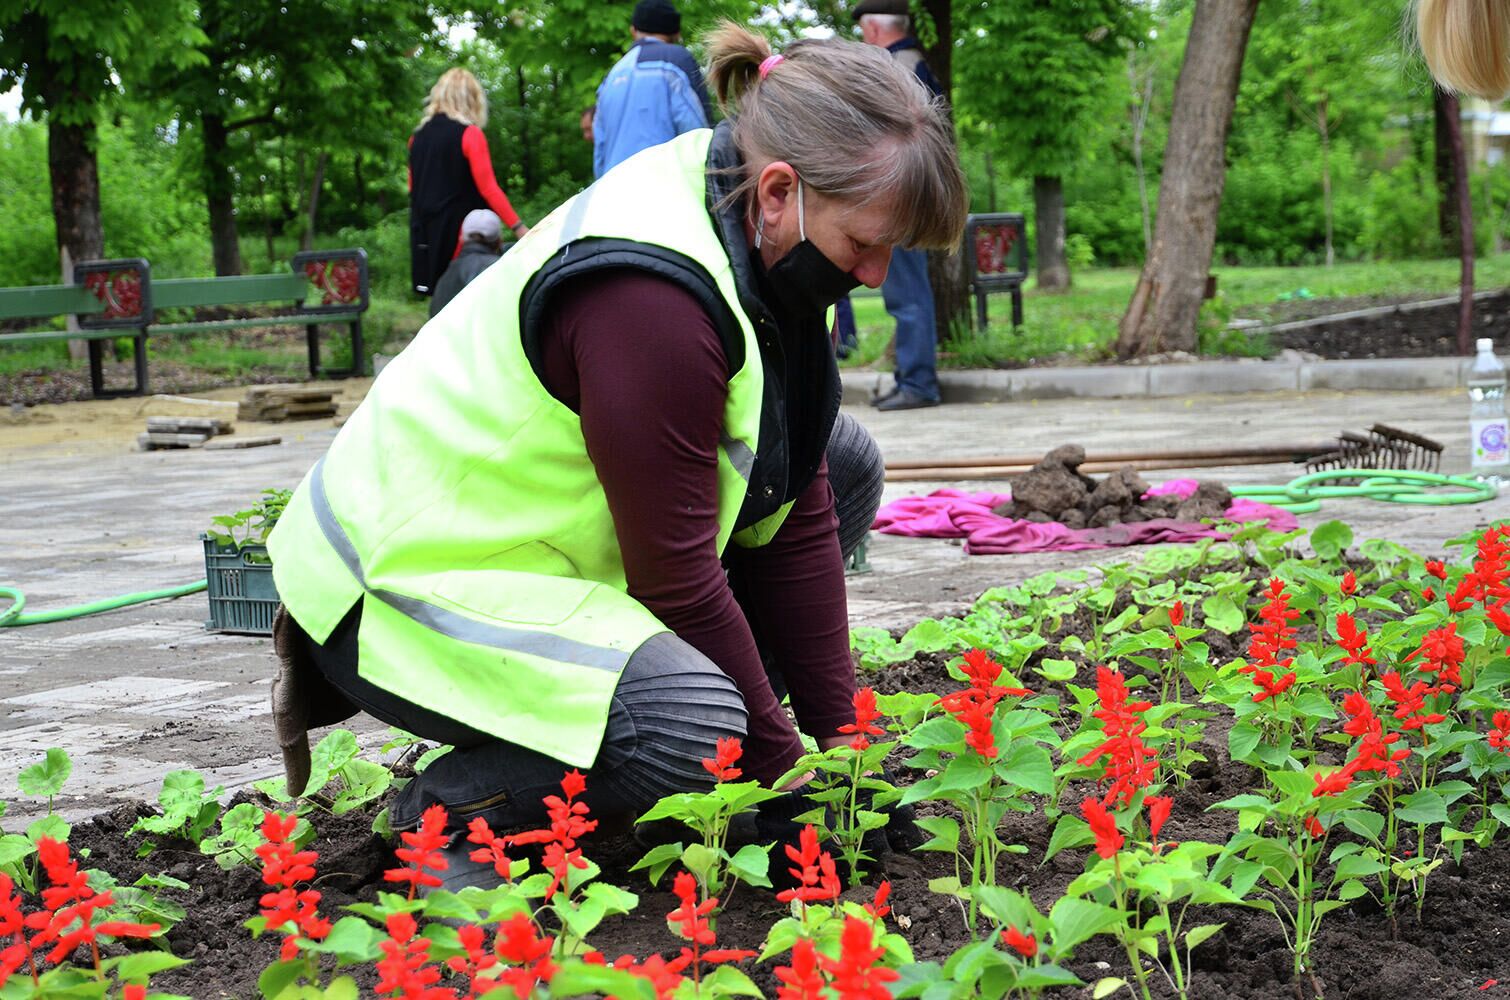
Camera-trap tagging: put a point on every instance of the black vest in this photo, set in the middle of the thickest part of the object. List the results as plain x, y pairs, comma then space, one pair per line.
443, 194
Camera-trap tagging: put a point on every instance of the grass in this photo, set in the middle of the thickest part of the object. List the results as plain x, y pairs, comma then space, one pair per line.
1078, 325
1082, 323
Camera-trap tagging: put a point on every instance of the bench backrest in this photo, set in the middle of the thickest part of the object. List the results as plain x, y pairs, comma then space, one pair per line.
121, 293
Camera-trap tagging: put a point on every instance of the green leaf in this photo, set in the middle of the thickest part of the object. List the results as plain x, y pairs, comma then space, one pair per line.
46, 777
1076, 920
1242, 740
351, 940
701, 861
658, 859
1364, 822
337, 749
1330, 539
280, 976
1106, 987
751, 864
14, 847
1056, 670
1220, 613
727, 980
1069, 832
144, 964
944, 831
362, 781
1196, 935
1424, 806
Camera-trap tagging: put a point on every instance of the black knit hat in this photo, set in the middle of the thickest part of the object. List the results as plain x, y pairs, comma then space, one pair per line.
656, 17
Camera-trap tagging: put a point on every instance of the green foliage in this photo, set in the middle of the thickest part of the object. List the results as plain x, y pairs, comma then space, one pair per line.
252, 525
187, 809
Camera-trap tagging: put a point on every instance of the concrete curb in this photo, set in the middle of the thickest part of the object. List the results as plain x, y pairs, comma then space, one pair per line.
1226, 377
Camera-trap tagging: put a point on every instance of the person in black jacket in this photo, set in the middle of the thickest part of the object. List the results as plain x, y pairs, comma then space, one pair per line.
481, 244
450, 174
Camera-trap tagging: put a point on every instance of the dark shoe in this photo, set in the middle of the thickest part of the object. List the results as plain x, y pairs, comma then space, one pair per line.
461, 871
878, 397
904, 399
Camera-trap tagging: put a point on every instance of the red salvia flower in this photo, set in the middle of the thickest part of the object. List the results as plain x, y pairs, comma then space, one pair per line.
1025, 945
864, 725
1441, 651
133, 991
1490, 565
1374, 752
567, 824
283, 867
1314, 827
877, 907
1410, 703
1461, 599
527, 953
975, 705
1273, 633
1428, 595
662, 975
475, 957
815, 872
1103, 824
1176, 618
689, 919
1159, 807
422, 854
854, 975
1499, 736
1332, 784
492, 849
1349, 584
802, 980
1500, 619
405, 966
1130, 763
1354, 641
1437, 569
1268, 686
722, 766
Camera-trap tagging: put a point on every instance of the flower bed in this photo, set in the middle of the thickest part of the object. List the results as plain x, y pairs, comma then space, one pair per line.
1233, 771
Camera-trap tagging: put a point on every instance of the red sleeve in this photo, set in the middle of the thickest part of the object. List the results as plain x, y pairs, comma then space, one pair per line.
794, 594
410, 168
474, 146
641, 362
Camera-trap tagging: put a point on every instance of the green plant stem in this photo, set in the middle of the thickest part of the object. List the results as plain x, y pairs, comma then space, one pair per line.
1127, 942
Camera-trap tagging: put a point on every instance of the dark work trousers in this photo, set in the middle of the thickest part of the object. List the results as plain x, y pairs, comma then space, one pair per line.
670, 708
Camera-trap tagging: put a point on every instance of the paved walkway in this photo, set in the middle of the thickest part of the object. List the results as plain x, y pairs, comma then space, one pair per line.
135, 692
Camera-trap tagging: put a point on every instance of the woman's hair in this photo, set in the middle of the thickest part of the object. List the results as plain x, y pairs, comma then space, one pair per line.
1467, 44
852, 122
458, 96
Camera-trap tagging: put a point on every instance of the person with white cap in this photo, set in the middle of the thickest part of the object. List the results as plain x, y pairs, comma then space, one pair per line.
481, 244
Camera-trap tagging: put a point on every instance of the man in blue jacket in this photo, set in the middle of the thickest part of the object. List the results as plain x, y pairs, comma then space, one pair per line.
906, 292
653, 94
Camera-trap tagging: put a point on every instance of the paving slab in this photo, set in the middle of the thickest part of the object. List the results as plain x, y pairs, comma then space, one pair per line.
138, 691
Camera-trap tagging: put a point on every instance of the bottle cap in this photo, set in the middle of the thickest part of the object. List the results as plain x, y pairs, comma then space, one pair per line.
1486, 343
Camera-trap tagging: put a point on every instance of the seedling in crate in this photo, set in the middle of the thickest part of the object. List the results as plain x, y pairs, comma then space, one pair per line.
252, 525
709, 815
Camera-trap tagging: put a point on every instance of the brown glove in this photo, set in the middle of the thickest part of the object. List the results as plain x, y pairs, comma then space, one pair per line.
302, 698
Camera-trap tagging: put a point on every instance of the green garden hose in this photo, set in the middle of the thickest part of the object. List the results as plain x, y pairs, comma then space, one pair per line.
1303, 495
12, 616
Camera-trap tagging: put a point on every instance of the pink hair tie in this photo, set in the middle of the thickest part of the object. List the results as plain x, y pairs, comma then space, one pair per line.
767, 63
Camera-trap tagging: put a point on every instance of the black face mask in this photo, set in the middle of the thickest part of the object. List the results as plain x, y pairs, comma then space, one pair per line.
804, 280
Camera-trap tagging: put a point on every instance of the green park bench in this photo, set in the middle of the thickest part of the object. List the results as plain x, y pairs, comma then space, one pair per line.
119, 298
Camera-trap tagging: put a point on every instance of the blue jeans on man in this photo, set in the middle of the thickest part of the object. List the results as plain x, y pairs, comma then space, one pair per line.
909, 300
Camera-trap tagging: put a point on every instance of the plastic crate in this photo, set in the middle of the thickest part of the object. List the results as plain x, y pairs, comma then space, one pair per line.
243, 596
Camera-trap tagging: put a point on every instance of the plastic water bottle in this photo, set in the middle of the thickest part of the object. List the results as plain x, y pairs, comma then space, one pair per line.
1490, 435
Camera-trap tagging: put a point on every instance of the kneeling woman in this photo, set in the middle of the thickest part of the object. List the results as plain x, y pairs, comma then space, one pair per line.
596, 514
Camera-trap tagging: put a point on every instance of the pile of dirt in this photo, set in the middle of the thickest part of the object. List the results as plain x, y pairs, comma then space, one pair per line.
1056, 490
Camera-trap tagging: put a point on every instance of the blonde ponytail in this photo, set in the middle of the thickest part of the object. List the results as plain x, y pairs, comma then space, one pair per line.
1467, 44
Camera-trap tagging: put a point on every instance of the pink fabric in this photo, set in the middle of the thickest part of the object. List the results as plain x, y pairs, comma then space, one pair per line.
956, 514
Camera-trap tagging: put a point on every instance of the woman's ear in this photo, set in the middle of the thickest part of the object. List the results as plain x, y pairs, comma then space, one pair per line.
775, 193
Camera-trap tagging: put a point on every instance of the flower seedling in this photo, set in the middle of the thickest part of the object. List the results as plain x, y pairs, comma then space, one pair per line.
709, 814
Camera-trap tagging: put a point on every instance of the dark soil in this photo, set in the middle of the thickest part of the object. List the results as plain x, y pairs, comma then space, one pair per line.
1420, 333
1457, 945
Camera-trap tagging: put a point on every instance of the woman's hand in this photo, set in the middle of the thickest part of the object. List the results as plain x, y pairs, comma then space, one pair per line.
521, 231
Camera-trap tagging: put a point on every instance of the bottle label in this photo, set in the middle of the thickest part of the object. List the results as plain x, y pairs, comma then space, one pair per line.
1491, 442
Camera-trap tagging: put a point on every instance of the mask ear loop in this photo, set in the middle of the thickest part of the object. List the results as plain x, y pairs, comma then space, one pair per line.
801, 220
759, 230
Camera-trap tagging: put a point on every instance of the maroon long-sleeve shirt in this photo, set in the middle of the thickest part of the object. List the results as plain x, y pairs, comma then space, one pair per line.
640, 361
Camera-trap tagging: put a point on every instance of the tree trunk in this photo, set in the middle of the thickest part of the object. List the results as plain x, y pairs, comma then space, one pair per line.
1447, 184
1166, 305
267, 219
73, 171
1048, 214
525, 160
1325, 128
220, 196
1139, 116
1452, 113
307, 241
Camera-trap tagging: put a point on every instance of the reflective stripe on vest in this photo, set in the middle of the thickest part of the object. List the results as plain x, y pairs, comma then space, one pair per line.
449, 623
